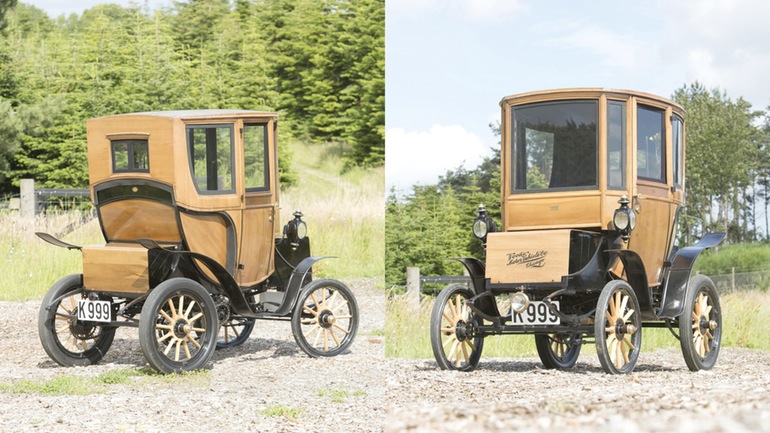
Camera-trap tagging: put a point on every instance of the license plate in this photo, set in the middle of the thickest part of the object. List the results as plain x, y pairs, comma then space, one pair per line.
94, 311
537, 313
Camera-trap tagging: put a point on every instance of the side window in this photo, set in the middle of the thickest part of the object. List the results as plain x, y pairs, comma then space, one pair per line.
650, 145
255, 157
677, 132
130, 156
211, 157
616, 145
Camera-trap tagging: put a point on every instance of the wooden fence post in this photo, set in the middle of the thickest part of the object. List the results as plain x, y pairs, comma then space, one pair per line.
27, 197
413, 286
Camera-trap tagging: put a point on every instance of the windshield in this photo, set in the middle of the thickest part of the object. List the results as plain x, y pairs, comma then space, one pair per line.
554, 146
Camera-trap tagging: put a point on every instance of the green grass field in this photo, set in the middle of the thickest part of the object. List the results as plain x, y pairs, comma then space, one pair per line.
344, 211
746, 321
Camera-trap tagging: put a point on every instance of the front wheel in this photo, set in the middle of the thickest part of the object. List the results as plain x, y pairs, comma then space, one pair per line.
66, 340
558, 351
618, 328
178, 326
452, 330
325, 319
700, 326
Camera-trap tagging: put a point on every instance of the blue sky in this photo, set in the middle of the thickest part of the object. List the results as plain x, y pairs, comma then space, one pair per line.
449, 62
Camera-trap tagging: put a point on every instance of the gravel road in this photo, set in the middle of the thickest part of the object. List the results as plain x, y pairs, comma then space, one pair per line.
360, 391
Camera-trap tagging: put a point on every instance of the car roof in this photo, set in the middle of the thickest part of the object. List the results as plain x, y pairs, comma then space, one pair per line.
199, 114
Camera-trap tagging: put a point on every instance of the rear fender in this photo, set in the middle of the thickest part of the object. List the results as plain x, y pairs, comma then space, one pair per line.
477, 271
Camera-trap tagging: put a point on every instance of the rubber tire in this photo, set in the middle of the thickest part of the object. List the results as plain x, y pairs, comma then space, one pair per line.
150, 313
694, 361
46, 328
296, 317
599, 328
435, 330
550, 360
240, 339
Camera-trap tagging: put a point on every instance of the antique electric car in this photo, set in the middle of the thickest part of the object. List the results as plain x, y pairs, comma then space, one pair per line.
188, 205
592, 187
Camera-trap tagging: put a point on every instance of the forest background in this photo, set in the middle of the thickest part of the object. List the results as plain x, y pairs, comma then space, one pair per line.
727, 189
318, 63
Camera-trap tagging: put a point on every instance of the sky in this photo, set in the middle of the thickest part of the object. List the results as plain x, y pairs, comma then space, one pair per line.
449, 63
56, 8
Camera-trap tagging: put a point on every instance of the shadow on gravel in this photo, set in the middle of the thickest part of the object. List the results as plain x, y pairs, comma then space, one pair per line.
514, 366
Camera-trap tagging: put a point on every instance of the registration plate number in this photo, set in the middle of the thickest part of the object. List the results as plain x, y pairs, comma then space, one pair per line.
94, 311
537, 313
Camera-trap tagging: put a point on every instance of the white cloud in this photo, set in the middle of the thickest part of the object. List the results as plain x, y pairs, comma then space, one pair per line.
420, 157
723, 44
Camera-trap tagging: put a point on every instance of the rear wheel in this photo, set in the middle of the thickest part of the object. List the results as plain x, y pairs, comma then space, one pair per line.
66, 340
558, 350
453, 330
618, 328
700, 326
178, 326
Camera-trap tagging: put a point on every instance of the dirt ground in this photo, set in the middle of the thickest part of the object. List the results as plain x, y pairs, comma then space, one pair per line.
360, 391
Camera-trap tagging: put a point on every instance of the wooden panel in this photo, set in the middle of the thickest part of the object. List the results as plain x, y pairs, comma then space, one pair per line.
157, 131
553, 210
528, 257
649, 238
118, 268
257, 240
206, 234
128, 220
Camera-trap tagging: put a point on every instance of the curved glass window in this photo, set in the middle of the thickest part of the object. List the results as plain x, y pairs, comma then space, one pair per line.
554, 146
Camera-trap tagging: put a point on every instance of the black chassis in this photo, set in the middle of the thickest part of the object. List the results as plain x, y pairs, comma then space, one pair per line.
592, 254
293, 270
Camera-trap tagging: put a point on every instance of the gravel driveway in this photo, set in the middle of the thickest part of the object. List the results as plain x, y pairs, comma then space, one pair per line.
268, 384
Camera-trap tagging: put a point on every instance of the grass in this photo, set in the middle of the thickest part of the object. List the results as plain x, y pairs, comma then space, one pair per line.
339, 395
746, 320
31, 265
281, 411
77, 385
345, 213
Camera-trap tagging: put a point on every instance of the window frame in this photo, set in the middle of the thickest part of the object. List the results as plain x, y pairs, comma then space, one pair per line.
677, 149
130, 154
623, 145
266, 156
663, 144
191, 155
514, 148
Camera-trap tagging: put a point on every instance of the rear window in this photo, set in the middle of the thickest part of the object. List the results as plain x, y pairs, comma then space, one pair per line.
130, 156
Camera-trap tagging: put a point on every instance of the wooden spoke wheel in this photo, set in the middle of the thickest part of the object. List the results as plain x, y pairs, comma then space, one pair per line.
558, 350
700, 326
453, 330
325, 319
66, 340
618, 328
178, 326
234, 332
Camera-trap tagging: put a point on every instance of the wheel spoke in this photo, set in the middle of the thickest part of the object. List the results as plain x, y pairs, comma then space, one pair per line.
166, 316
465, 353
448, 330
334, 337
628, 315
165, 336
449, 319
341, 328
623, 305
187, 349
313, 312
181, 305
171, 307
628, 343
176, 353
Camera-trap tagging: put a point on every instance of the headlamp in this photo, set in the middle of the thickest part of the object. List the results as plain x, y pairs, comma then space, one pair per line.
624, 218
483, 224
295, 230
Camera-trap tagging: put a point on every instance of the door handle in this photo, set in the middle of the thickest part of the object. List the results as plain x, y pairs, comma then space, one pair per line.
637, 204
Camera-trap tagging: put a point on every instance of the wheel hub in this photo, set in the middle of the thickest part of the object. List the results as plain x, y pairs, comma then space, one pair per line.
326, 319
461, 330
621, 328
181, 329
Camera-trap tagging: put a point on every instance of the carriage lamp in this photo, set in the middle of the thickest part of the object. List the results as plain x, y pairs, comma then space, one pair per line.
483, 224
295, 230
624, 218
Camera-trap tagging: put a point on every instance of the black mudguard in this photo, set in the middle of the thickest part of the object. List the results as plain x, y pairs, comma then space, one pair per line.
477, 271
675, 289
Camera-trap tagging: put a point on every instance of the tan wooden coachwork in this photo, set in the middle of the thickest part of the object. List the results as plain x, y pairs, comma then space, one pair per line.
592, 209
199, 219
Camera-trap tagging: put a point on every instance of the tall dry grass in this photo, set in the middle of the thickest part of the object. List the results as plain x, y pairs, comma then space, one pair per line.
344, 211
746, 323
30, 265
